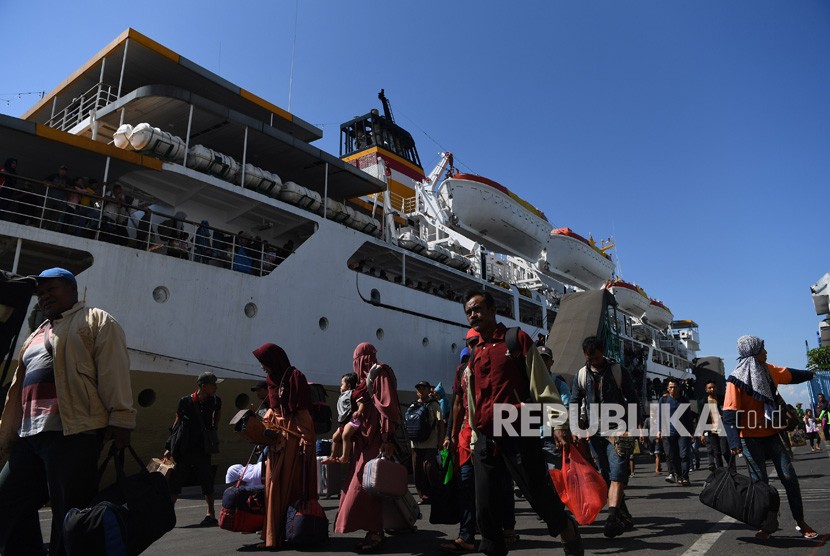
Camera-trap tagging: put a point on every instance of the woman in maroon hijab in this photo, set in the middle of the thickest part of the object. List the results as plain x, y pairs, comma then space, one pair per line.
290, 401
358, 509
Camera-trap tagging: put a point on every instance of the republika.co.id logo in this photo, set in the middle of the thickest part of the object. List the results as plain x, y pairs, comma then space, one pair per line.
609, 419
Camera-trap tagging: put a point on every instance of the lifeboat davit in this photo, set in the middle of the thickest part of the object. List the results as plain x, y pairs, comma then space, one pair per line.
570, 254
494, 216
658, 314
630, 297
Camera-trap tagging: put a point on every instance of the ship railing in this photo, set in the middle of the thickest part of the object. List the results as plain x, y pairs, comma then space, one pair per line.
81, 107
396, 201
64, 209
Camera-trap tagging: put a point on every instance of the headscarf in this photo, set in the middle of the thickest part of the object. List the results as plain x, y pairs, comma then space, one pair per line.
442, 400
365, 355
287, 387
752, 377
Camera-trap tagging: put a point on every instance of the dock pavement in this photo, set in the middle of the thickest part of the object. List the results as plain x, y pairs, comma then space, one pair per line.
669, 519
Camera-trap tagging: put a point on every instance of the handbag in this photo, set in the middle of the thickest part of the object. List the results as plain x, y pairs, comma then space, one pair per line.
243, 509
124, 518
580, 487
306, 523
384, 477
752, 502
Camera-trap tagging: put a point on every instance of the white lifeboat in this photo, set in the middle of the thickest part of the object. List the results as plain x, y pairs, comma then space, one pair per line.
260, 180
152, 140
298, 195
337, 211
630, 297
363, 223
570, 254
494, 216
211, 162
658, 314
411, 241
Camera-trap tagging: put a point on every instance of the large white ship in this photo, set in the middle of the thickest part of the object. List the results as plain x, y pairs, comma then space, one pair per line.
281, 241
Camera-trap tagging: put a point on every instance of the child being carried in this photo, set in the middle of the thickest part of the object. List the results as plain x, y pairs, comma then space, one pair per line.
349, 421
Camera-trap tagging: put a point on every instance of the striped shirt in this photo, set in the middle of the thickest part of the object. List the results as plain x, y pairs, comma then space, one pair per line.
40, 399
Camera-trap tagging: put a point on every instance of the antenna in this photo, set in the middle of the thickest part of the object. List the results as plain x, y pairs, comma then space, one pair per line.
293, 49
616, 250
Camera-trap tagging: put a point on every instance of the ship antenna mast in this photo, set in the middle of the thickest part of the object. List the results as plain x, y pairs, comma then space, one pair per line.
387, 109
293, 49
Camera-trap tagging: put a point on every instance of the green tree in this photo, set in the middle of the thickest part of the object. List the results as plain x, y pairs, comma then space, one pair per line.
818, 359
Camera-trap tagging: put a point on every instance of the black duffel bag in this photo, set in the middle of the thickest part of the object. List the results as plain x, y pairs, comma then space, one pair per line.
124, 518
752, 502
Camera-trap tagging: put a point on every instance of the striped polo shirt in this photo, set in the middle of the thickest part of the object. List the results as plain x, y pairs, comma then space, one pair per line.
40, 399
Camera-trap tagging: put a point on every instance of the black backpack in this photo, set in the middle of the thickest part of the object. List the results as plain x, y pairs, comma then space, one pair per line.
417, 421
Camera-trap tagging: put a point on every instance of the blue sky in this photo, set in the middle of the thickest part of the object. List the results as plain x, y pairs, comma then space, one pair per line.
695, 133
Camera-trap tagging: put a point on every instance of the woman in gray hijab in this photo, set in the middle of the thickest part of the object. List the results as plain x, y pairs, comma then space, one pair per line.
753, 419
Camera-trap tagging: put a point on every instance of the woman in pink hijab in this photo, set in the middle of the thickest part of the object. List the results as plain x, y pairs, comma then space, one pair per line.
359, 510
290, 401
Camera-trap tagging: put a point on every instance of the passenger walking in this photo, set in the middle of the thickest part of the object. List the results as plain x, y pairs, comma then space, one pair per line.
811, 427
553, 455
678, 442
501, 378
194, 438
425, 427
604, 381
749, 412
713, 437
289, 422
358, 509
69, 395
458, 440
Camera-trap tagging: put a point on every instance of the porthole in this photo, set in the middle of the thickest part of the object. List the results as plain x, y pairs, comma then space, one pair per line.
147, 397
379, 333
375, 296
250, 310
242, 401
161, 294
323, 323
425, 342
454, 347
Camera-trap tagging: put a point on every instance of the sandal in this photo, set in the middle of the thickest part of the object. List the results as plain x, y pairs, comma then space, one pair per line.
457, 546
763, 535
810, 534
371, 543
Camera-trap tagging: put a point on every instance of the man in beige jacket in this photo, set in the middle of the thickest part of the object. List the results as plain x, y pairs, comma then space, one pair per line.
70, 394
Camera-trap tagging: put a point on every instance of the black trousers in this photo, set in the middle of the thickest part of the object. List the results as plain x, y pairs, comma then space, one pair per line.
718, 449
523, 460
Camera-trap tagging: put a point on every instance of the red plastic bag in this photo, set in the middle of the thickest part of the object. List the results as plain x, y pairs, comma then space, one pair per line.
580, 486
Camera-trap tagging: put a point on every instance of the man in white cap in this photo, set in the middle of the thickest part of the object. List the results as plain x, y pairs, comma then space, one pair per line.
70, 394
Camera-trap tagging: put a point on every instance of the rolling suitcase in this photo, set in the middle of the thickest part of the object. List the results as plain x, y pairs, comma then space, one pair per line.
400, 514
329, 479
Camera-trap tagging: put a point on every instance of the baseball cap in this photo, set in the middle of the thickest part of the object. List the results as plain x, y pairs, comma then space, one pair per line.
545, 351
208, 377
423, 383
260, 385
57, 272
464, 353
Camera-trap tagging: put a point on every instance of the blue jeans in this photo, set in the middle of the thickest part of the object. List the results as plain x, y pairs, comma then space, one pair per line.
678, 456
46, 466
611, 466
757, 451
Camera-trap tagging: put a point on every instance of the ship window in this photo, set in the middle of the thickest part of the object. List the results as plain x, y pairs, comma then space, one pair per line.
242, 401
250, 310
454, 347
375, 296
425, 342
379, 333
147, 397
161, 294
324, 323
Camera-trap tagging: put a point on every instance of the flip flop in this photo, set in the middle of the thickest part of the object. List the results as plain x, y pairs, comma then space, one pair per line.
456, 547
808, 534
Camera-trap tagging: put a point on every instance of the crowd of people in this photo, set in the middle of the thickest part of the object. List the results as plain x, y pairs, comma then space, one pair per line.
71, 394
84, 207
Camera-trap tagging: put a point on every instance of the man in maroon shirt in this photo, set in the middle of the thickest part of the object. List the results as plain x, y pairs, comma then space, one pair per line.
500, 377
